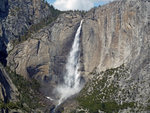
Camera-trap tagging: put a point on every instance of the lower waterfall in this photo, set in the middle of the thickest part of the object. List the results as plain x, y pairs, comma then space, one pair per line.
71, 83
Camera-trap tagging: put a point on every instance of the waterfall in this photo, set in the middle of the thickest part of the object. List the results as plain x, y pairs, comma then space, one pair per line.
71, 83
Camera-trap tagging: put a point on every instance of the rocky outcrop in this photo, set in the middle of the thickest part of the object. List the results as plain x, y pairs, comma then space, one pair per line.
112, 35
44, 55
8, 91
16, 17
3, 8
21, 15
116, 33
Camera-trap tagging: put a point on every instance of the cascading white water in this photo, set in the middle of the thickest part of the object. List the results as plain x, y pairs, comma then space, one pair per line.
71, 83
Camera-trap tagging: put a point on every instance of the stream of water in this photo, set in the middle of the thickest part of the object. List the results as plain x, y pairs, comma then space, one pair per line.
71, 83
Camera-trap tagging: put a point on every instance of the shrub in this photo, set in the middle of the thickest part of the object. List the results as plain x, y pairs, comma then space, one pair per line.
28, 91
102, 95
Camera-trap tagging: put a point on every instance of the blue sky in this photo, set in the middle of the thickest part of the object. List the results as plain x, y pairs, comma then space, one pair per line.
96, 4
100, 3
76, 4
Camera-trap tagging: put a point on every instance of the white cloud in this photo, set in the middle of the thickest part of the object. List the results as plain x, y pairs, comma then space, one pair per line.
75, 4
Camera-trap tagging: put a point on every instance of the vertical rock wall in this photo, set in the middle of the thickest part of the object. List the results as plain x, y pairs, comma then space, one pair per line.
116, 33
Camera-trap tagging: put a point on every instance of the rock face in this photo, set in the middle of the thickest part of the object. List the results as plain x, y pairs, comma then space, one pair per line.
115, 34
8, 91
44, 55
16, 17
3, 8
21, 15
112, 35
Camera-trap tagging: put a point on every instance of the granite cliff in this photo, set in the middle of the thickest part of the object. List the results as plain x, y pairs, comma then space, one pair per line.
17, 19
116, 50
115, 55
8, 91
43, 56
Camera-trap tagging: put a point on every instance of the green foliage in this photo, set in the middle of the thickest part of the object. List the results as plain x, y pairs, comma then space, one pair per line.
2, 105
36, 27
28, 91
54, 11
102, 95
9, 105
148, 107
12, 105
14, 11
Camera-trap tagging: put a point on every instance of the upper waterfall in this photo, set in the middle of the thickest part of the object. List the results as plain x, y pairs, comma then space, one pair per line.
71, 83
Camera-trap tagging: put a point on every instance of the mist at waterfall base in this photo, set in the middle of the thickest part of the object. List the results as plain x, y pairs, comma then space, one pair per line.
71, 83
